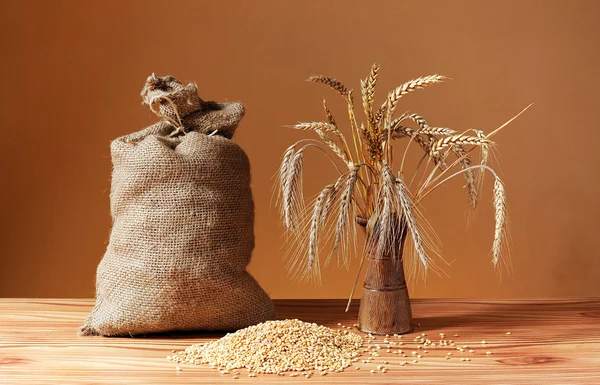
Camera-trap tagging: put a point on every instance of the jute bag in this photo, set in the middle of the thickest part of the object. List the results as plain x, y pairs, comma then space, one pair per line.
183, 223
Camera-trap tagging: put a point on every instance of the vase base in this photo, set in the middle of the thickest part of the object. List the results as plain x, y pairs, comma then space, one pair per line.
385, 312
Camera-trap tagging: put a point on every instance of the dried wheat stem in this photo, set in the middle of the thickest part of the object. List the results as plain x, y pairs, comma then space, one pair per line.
500, 215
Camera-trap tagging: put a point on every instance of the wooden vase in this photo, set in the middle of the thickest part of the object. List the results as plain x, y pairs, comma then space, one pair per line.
384, 305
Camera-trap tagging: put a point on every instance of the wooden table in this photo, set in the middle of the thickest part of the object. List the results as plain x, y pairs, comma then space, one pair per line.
551, 342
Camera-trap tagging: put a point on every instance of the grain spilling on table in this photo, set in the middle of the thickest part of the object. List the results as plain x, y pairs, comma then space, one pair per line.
294, 348
277, 347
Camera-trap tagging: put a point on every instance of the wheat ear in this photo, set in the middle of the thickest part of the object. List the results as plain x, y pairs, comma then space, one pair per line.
328, 113
316, 219
407, 87
334, 147
485, 153
344, 206
283, 189
457, 139
293, 199
386, 228
331, 82
367, 88
465, 163
371, 83
406, 206
311, 126
422, 140
437, 131
500, 215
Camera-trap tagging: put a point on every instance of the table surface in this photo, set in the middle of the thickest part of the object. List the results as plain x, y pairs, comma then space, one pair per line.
551, 341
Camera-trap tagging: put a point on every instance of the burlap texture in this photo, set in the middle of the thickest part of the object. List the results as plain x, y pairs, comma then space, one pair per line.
183, 224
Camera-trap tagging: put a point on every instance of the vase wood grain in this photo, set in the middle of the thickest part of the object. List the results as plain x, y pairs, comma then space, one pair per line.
385, 304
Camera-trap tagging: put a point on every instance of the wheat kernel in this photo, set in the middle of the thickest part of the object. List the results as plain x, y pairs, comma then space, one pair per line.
372, 371
508, 333
384, 370
178, 369
471, 351
488, 353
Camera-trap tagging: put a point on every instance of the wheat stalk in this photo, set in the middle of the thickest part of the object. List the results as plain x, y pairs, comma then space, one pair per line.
500, 215
465, 162
457, 139
331, 82
407, 87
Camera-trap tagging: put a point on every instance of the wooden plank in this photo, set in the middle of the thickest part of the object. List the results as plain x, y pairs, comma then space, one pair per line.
552, 342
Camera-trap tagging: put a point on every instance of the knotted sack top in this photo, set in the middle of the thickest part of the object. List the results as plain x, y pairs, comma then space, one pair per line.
181, 106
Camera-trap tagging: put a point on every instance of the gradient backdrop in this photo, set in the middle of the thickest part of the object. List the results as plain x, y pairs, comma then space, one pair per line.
73, 72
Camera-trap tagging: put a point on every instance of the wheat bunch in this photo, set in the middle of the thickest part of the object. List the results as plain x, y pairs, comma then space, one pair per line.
367, 186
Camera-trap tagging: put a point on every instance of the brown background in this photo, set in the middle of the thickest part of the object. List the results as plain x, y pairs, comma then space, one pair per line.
73, 71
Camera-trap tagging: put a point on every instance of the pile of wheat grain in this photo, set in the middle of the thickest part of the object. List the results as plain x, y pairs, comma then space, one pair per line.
277, 347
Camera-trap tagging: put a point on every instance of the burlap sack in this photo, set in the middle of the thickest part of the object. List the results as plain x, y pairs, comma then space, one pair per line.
183, 223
